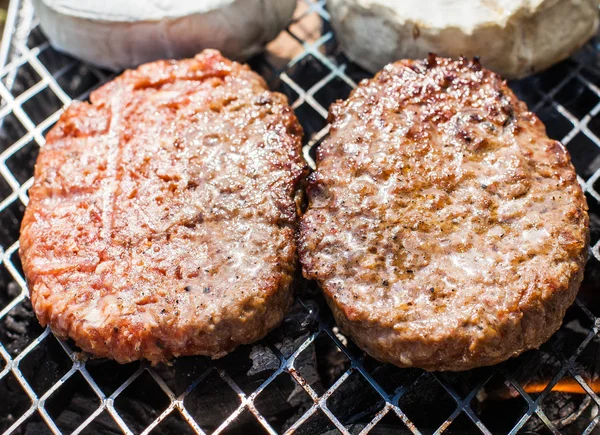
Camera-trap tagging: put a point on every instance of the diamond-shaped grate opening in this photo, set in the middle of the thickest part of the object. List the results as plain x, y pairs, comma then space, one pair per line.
72, 403
77, 80
585, 155
390, 423
103, 423
11, 222
535, 426
307, 72
11, 130
427, 404
358, 412
587, 364
311, 120
594, 215
34, 425
18, 328
9, 289
244, 423
53, 61
282, 402
577, 326
389, 377
5, 189
110, 375
498, 393
174, 423
26, 76
557, 126
321, 364
549, 79
37, 106
273, 376
577, 98
462, 425
532, 371
45, 365
21, 162
181, 373
568, 407
465, 383
317, 423
335, 89
14, 401
212, 402
141, 402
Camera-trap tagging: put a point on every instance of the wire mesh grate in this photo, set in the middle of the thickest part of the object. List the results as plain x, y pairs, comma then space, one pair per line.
304, 377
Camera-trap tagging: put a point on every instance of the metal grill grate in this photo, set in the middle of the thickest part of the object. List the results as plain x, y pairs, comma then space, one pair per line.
305, 376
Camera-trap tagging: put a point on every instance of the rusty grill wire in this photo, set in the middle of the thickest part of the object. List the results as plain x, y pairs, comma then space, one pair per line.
305, 377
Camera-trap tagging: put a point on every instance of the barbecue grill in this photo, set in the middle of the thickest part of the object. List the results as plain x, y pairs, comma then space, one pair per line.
304, 377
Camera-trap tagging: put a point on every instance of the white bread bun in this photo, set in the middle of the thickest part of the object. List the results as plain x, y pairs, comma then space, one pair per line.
119, 34
512, 37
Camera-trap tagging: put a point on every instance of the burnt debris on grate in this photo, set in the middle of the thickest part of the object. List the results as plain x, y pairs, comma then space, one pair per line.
19, 327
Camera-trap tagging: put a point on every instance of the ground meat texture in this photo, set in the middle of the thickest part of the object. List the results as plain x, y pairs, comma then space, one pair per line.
163, 215
446, 229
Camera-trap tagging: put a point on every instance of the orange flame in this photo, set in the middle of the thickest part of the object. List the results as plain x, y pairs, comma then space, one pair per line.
563, 386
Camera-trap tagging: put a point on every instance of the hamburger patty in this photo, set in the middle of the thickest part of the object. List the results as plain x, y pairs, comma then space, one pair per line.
446, 229
163, 215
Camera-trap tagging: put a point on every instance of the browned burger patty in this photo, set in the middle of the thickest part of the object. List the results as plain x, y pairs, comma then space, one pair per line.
445, 228
163, 214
